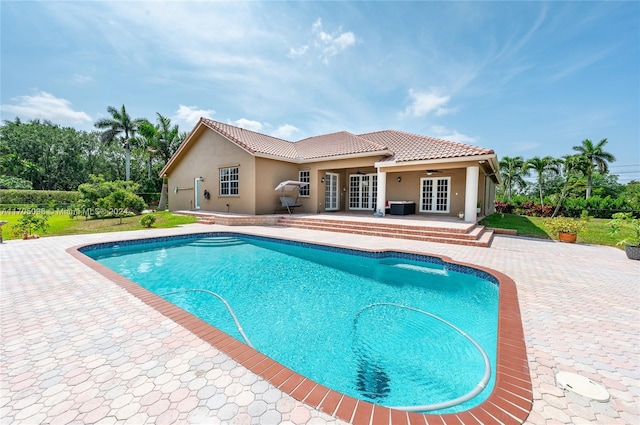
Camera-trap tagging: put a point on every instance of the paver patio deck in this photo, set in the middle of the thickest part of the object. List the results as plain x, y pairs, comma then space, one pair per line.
76, 348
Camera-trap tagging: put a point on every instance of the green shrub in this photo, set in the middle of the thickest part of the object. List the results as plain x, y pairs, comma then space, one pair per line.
565, 225
29, 222
101, 198
10, 182
50, 198
148, 220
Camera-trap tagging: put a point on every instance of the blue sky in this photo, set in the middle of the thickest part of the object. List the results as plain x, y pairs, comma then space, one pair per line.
522, 78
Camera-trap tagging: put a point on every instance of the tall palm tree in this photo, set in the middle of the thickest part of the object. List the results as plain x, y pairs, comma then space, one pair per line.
540, 165
148, 140
596, 157
512, 172
119, 126
162, 139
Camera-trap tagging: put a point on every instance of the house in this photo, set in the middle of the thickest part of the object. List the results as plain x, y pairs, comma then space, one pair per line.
223, 168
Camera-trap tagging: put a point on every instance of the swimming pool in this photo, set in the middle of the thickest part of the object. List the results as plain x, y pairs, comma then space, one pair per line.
335, 316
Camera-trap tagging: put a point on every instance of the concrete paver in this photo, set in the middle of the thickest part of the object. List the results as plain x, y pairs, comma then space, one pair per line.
78, 348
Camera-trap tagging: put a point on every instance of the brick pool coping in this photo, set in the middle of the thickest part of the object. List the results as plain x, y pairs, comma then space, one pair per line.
509, 403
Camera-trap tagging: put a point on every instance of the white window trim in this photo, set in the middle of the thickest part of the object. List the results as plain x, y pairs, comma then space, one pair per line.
228, 195
308, 187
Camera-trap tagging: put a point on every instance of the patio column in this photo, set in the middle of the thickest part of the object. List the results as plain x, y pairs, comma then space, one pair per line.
382, 193
471, 194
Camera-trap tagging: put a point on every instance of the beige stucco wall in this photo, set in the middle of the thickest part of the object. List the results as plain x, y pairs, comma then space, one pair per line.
207, 153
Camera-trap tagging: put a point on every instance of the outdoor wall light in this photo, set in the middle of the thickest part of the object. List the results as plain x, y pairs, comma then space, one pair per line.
322, 180
201, 178
399, 179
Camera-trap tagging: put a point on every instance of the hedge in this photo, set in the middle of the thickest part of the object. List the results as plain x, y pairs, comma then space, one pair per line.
50, 198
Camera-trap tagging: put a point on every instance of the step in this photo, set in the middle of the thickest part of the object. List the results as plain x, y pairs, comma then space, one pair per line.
482, 237
386, 225
355, 227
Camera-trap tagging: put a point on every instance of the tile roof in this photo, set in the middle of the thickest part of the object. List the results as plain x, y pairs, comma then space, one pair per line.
395, 145
336, 144
412, 147
252, 141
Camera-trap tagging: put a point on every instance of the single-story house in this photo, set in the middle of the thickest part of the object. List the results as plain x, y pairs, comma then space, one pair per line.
223, 168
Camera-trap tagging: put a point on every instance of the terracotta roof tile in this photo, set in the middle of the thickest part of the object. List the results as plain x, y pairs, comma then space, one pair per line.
252, 141
412, 147
403, 146
336, 144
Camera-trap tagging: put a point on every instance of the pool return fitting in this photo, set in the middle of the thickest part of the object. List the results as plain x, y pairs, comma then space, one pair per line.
226, 304
480, 386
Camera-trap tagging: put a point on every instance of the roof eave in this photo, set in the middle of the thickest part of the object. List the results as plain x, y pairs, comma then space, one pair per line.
394, 163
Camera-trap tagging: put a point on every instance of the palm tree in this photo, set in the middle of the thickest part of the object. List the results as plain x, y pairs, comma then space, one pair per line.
512, 171
596, 157
119, 125
148, 139
540, 165
162, 139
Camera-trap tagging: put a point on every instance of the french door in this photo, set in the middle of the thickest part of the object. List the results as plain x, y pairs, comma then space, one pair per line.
331, 192
363, 191
435, 194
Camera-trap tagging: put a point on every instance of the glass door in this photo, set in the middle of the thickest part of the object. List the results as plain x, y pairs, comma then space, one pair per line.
331, 192
363, 191
435, 194
196, 193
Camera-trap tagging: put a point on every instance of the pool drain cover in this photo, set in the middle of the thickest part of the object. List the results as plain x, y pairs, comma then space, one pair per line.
582, 386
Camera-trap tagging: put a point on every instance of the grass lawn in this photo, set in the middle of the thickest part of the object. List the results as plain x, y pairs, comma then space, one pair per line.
63, 224
597, 230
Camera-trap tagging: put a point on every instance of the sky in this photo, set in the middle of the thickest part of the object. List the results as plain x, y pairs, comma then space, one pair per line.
522, 78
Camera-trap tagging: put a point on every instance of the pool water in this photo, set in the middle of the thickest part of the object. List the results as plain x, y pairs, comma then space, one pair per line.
332, 316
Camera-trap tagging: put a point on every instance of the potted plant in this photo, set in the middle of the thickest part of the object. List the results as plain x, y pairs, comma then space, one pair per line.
479, 207
631, 243
461, 215
566, 228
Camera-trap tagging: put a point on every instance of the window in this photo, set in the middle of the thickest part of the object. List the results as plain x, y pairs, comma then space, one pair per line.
303, 176
229, 181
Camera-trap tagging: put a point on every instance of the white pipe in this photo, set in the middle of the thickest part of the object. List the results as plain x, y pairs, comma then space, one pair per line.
233, 316
450, 403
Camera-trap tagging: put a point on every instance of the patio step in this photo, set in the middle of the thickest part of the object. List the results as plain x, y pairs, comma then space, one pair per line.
474, 235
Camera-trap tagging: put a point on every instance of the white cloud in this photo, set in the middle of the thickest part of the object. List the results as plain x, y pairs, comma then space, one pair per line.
331, 44
191, 114
46, 106
248, 124
424, 103
294, 53
445, 133
285, 131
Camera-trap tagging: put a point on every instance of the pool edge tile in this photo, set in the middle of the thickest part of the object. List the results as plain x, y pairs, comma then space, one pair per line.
512, 365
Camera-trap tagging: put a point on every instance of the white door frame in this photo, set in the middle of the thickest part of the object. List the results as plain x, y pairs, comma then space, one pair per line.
196, 193
436, 190
332, 192
371, 188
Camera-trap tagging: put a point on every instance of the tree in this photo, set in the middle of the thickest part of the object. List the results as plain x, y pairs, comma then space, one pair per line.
596, 157
512, 171
571, 166
121, 126
50, 156
540, 165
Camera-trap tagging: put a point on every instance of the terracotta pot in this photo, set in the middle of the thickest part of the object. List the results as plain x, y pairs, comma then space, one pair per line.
567, 237
633, 252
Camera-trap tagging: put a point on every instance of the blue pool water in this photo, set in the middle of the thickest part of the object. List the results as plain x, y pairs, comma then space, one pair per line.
330, 315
